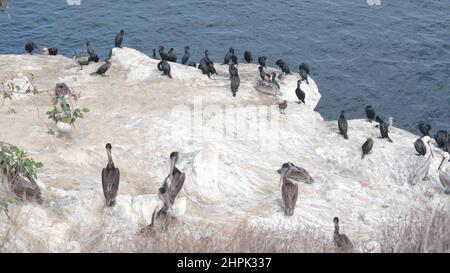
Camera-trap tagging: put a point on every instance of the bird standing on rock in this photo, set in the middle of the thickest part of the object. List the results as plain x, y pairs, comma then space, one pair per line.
300, 93
185, 58
274, 80
248, 56
110, 179
367, 147
235, 82
119, 39
370, 113
30, 46
164, 66
282, 106
343, 125
227, 58
341, 241
103, 68
304, 75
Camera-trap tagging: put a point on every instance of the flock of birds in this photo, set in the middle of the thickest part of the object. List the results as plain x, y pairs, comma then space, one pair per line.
290, 174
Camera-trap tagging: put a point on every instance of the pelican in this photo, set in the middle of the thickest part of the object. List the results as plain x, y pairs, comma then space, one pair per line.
161, 216
444, 172
289, 190
110, 179
80, 62
422, 165
175, 180
341, 241
297, 174
25, 189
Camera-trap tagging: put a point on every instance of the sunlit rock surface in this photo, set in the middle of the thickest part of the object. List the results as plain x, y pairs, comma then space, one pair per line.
230, 149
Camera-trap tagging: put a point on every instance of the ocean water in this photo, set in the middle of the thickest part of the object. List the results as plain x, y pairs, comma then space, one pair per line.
394, 55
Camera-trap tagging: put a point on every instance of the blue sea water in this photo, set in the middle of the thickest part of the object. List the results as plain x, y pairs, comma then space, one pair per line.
394, 55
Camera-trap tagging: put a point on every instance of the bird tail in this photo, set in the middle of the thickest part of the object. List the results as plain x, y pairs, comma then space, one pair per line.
363, 155
390, 140
93, 73
170, 76
345, 136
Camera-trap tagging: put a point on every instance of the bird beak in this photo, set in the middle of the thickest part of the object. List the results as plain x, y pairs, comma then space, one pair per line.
172, 166
442, 162
283, 173
431, 150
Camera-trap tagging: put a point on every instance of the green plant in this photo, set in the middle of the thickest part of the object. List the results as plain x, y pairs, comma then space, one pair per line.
62, 111
16, 161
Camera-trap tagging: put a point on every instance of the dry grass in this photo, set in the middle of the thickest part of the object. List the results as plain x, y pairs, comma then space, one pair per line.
412, 233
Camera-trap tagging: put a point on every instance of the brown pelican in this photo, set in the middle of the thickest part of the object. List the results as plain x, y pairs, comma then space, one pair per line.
298, 174
160, 217
367, 147
289, 190
27, 191
174, 181
341, 241
282, 106
422, 164
103, 68
264, 76
444, 172
110, 179
80, 62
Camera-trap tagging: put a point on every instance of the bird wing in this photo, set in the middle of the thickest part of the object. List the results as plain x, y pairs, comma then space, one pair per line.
175, 186
300, 174
289, 192
104, 181
420, 148
115, 182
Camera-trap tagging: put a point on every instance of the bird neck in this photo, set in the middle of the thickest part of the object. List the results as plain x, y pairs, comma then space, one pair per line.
110, 160
336, 229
